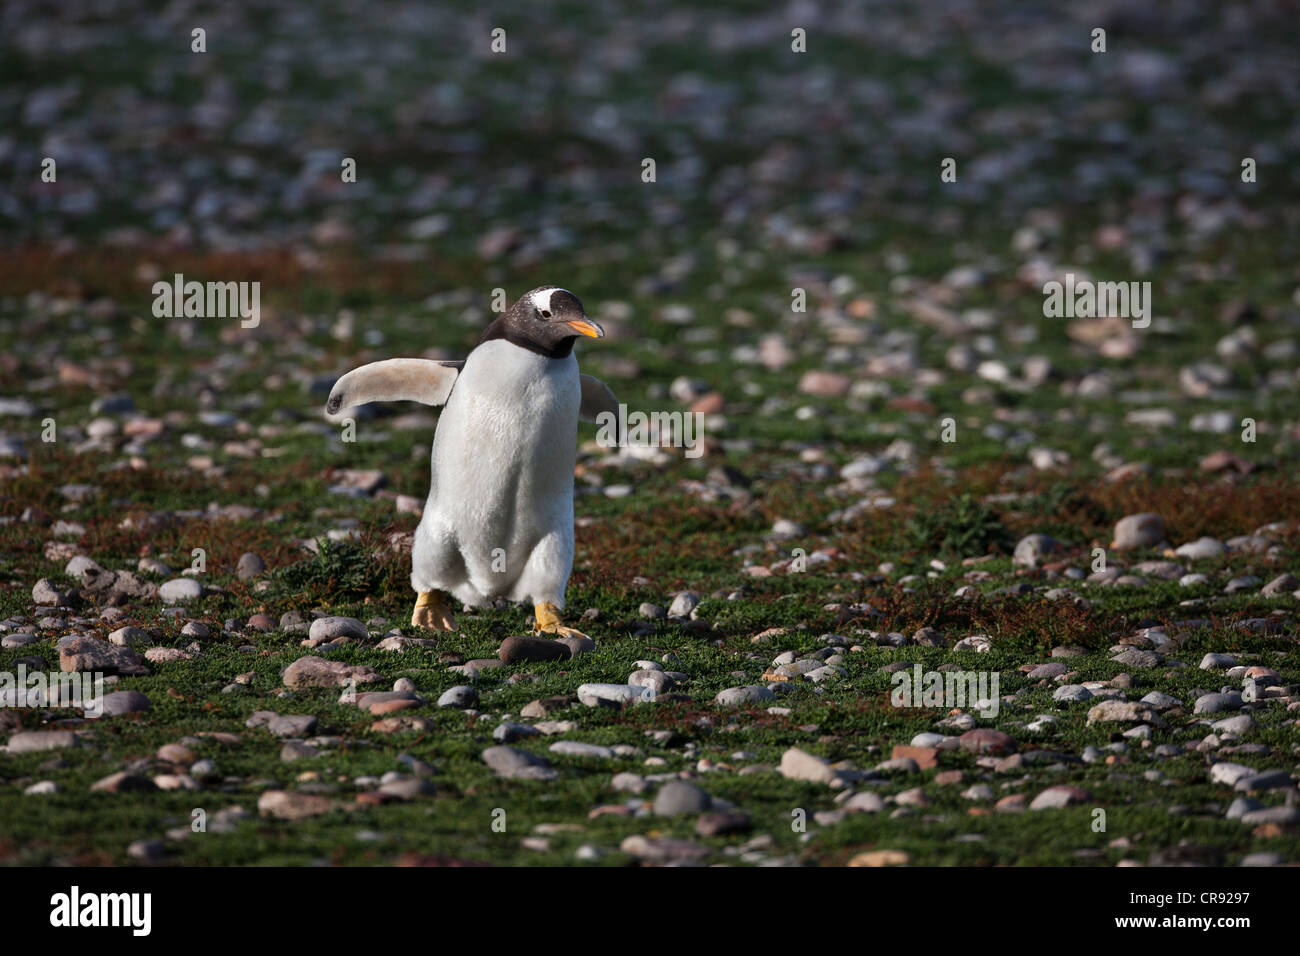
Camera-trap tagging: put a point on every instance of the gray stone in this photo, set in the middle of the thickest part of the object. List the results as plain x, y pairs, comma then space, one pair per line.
461, 696
678, 797
1032, 549
1161, 701
79, 565
687, 601
515, 764
1133, 657
30, 741
1071, 694
180, 591
1241, 806
721, 822
657, 681
1138, 531
750, 694
1267, 780
409, 788
1283, 816
292, 725
128, 637
1121, 711
593, 695
576, 748
1227, 773
329, 628
1055, 798
1218, 662
292, 805
1282, 584
1240, 724
508, 732
124, 702
1215, 703
89, 654
1202, 548
798, 764
249, 566
298, 750
314, 671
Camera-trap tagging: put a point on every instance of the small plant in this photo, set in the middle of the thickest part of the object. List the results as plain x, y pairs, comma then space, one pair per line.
962, 527
340, 571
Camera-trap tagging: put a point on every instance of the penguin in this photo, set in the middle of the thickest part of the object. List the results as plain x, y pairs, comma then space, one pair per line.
498, 522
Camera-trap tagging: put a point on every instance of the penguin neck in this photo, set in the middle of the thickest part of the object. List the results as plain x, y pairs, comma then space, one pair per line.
504, 329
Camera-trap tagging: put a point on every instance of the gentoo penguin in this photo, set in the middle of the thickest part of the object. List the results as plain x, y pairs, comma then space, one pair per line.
499, 517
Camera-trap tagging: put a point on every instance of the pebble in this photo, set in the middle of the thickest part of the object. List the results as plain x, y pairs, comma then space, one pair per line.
663, 849
1058, 797
30, 741
685, 603
1246, 583
1280, 585
749, 694
124, 702
576, 748
985, 740
1159, 700
292, 805
462, 696
515, 649
1120, 711
332, 628
1071, 694
722, 823
1032, 549
866, 801
798, 764
592, 695
180, 591
314, 671
249, 566
515, 764
679, 797
1215, 703
1267, 780
1201, 549
1138, 531
1218, 662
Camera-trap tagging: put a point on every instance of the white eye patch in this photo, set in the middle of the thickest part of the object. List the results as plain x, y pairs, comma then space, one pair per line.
542, 299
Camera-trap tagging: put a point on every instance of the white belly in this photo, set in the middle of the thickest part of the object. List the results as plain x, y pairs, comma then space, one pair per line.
502, 475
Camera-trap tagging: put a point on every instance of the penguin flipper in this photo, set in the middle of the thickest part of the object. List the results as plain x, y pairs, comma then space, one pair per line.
596, 398
395, 380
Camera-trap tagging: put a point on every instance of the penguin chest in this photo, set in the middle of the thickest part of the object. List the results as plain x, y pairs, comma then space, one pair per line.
505, 447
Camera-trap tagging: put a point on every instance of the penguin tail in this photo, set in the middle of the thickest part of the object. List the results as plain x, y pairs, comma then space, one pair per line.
394, 380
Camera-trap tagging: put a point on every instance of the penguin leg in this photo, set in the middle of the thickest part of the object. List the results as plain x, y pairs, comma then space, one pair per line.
433, 610
548, 622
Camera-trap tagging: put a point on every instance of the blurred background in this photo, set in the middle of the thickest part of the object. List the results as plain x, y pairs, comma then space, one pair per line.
775, 170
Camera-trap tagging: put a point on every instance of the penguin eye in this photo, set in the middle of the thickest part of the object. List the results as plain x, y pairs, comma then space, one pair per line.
546, 314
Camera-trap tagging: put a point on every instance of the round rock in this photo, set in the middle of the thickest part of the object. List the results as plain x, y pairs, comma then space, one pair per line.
678, 797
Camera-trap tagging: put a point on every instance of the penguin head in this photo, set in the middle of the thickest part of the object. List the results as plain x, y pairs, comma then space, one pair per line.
546, 320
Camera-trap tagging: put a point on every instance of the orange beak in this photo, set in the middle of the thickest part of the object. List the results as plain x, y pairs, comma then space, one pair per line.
585, 326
